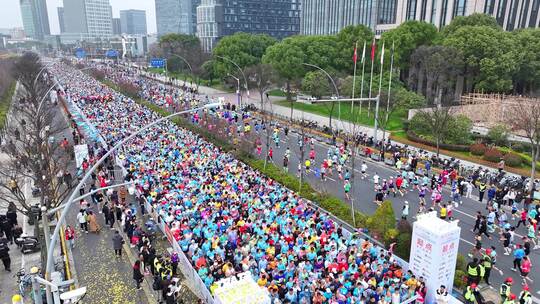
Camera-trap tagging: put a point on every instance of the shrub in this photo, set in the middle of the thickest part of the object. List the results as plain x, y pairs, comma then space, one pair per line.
478, 149
98, 74
382, 221
513, 160
461, 262
128, 89
498, 135
493, 155
460, 279
403, 241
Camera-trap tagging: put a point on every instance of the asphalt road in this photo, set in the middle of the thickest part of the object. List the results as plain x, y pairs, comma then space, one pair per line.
363, 196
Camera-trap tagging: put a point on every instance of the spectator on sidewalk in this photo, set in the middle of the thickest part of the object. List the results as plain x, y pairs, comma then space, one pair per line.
92, 222
11, 213
4, 254
118, 242
81, 218
137, 274
70, 236
6, 226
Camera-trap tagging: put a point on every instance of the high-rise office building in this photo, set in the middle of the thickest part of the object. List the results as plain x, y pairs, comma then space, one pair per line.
218, 18
35, 18
176, 16
61, 19
117, 26
510, 14
88, 18
321, 17
133, 21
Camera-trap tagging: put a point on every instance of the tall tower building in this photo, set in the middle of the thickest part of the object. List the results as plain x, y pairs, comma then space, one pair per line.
35, 18
61, 19
176, 16
133, 21
90, 18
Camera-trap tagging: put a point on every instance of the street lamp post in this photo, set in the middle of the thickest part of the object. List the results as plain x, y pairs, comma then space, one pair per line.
70, 200
241, 72
335, 88
189, 65
57, 82
237, 90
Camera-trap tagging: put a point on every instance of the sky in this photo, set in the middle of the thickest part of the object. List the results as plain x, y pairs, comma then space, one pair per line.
10, 12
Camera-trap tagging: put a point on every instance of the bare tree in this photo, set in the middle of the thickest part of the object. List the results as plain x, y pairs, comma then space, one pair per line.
262, 76
525, 117
34, 152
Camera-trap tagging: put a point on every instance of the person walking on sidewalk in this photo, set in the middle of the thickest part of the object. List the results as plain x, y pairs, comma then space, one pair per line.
4, 254
70, 236
81, 218
92, 222
118, 242
137, 274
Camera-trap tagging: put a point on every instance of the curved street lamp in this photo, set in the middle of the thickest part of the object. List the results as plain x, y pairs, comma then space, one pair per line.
71, 199
335, 88
238, 67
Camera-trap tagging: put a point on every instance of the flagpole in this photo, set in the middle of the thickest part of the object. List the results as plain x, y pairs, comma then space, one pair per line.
379, 95
371, 77
390, 80
362, 84
354, 77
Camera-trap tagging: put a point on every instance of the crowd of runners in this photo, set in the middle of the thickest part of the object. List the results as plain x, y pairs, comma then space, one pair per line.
194, 186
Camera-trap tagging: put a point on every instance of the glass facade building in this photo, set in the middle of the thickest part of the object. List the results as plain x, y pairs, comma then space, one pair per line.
176, 16
218, 18
89, 18
35, 18
322, 17
133, 22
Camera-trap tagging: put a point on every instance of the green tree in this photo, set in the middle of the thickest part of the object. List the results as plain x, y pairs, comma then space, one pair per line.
459, 130
186, 46
346, 40
382, 221
436, 121
316, 84
407, 37
242, 48
489, 58
208, 71
527, 74
498, 135
287, 59
476, 19
434, 71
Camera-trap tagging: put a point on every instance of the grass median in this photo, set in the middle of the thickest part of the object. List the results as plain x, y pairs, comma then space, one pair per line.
323, 109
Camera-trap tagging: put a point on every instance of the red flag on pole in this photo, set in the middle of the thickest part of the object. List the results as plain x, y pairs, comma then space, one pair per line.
355, 56
373, 46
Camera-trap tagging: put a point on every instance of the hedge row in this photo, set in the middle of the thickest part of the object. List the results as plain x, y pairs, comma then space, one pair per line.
495, 155
415, 138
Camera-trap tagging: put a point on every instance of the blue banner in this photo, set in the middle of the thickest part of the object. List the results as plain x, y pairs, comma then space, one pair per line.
80, 53
111, 53
157, 62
